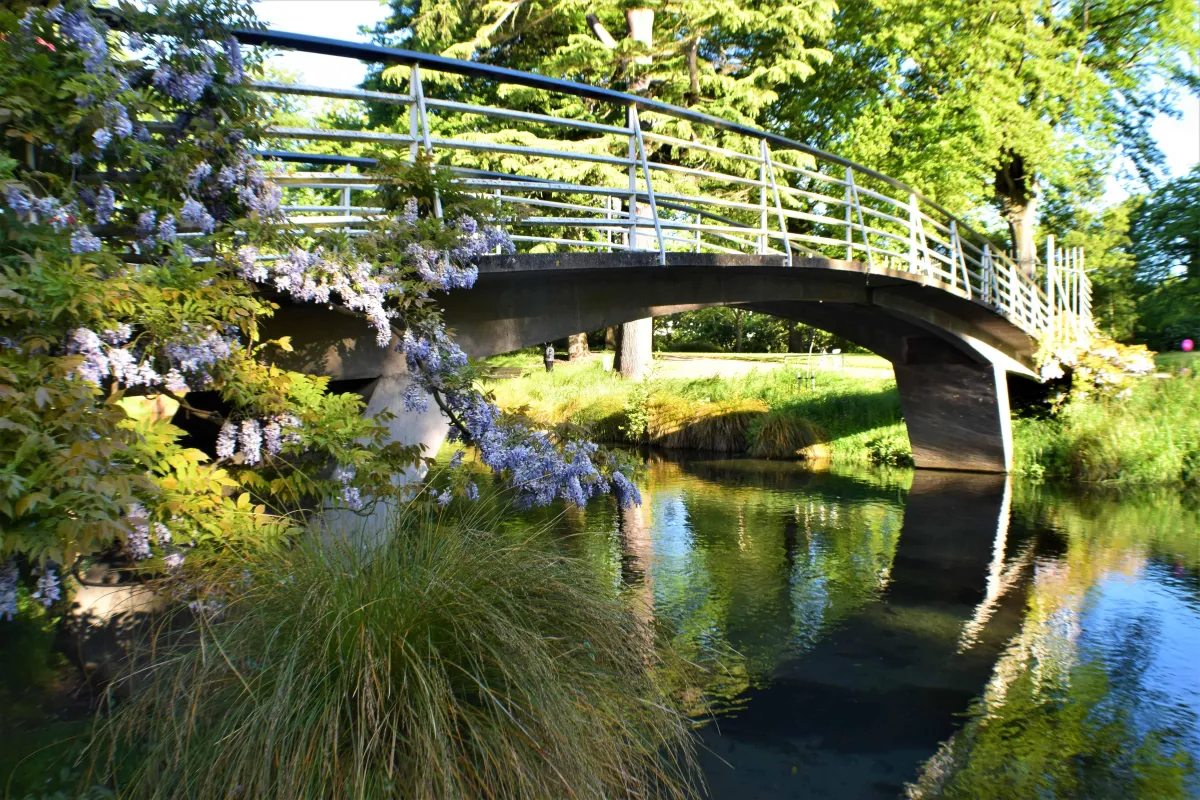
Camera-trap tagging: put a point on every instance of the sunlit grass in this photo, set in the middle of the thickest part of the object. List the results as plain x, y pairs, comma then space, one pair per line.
445, 662
845, 417
1153, 437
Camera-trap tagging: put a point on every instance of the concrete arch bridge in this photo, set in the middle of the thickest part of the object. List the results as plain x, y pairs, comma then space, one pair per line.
625, 207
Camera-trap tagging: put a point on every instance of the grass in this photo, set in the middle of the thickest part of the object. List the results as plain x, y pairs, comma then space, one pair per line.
768, 411
445, 662
1173, 362
1151, 438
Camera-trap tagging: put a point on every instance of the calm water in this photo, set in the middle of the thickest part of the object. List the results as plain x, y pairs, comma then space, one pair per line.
927, 635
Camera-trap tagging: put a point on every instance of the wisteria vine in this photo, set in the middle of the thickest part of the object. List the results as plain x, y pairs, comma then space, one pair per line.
178, 246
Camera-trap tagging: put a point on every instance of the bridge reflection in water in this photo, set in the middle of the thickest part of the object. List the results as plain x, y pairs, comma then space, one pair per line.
871, 635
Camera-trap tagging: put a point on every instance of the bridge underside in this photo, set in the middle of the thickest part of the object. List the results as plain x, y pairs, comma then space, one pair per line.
950, 353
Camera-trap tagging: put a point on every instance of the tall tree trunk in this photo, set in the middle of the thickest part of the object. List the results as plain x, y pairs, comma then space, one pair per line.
635, 345
577, 346
635, 342
1019, 194
795, 339
737, 315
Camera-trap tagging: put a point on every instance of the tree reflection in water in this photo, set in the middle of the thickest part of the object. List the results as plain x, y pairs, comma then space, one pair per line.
928, 634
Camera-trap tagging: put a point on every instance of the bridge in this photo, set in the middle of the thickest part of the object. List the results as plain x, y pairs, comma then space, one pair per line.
624, 208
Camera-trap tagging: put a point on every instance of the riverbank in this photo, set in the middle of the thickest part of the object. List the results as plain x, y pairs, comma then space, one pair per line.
850, 415
762, 407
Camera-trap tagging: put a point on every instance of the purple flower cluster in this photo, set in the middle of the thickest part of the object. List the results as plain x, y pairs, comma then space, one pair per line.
533, 462
195, 215
137, 543
101, 361
31, 209
84, 241
184, 73
79, 30
48, 588
197, 352
257, 437
313, 278
105, 202
233, 59
250, 438
8, 590
351, 496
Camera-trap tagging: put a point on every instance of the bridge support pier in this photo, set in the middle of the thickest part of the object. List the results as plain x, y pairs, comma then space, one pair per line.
957, 416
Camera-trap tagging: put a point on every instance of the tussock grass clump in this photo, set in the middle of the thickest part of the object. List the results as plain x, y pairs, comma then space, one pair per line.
678, 423
780, 434
443, 663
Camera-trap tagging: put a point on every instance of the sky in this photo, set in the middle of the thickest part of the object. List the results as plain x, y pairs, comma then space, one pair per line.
340, 19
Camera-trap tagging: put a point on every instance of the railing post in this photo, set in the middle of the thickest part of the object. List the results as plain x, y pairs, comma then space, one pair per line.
414, 129
641, 146
762, 202
630, 121
425, 137
913, 221
862, 225
787, 245
1083, 277
953, 254
849, 216
989, 289
1050, 279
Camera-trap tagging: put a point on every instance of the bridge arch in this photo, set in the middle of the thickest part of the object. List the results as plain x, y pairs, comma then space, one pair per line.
737, 216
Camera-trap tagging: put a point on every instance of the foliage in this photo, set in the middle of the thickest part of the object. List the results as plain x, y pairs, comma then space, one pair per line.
1167, 230
971, 102
445, 661
143, 246
120, 276
724, 329
1150, 435
713, 56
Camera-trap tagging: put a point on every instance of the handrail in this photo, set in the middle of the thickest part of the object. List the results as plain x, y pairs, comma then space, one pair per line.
639, 192
321, 45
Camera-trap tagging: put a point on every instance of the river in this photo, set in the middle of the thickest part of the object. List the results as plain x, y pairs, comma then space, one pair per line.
893, 634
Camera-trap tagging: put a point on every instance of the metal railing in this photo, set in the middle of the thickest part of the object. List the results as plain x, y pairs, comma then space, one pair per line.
609, 171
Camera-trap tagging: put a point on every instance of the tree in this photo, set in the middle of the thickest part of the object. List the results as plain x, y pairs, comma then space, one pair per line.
577, 346
1167, 230
996, 101
725, 57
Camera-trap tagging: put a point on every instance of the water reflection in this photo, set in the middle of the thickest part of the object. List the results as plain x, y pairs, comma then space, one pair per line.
929, 635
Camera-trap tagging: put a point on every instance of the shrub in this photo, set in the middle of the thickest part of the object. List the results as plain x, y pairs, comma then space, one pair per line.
1147, 436
444, 662
701, 346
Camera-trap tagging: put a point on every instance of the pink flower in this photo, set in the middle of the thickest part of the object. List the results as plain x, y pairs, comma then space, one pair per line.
46, 44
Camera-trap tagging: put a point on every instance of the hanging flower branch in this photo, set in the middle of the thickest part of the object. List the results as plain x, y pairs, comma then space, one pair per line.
142, 243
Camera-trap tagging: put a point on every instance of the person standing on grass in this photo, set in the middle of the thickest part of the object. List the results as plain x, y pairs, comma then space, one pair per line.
548, 356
